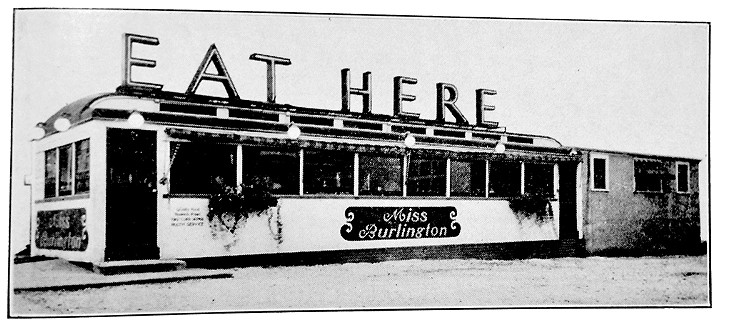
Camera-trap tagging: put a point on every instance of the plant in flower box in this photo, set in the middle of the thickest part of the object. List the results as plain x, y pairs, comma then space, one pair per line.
229, 207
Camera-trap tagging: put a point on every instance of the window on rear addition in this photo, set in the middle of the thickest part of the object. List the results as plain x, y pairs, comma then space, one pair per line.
328, 172
467, 178
426, 177
504, 179
380, 175
539, 179
278, 168
201, 168
682, 177
599, 173
649, 175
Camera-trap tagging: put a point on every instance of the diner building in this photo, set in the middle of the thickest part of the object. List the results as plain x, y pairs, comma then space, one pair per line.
131, 175
147, 174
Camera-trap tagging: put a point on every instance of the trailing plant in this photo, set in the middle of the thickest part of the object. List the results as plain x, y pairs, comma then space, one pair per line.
532, 205
233, 205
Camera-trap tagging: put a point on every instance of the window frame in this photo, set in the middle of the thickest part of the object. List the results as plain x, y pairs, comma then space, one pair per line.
444, 188
304, 168
357, 174
241, 154
677, 177
76, 167
72, 169
520, 174
592, 185
634, 177
552, 180
483, 183
172, 156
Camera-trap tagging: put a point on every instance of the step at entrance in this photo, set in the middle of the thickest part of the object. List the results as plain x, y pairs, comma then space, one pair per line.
138, 266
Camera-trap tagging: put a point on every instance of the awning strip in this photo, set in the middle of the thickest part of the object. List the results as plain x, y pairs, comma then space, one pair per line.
365, 147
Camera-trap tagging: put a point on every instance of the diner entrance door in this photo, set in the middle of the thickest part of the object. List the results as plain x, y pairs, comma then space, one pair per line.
567, 201
131, 195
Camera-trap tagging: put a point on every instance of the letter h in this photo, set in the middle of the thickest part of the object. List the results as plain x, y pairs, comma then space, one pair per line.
346, 90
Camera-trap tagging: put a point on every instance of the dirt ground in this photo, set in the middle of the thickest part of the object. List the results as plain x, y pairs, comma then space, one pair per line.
574, 282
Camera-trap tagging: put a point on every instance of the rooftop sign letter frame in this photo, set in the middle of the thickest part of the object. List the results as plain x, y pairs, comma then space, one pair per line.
222, 76
446, 93
130, 61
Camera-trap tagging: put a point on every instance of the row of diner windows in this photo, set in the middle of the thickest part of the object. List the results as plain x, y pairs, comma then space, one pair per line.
200, 168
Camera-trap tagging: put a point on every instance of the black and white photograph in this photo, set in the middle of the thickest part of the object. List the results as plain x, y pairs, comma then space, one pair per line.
170, 161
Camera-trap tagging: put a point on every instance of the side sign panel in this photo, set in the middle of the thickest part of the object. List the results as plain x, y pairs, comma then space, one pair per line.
62, 230
393, 223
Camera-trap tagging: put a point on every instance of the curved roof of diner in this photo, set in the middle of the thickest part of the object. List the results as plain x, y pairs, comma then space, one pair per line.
82, 110
76, 111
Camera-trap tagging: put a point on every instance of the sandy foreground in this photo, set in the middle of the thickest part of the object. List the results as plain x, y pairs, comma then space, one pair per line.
575, 282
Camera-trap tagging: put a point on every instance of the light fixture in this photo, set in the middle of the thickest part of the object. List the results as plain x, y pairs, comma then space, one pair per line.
500, 147
63, 123
38, 131
136, 120
293, 132
410, 140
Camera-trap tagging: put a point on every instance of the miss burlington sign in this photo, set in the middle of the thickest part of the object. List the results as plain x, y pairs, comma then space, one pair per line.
446, 93
389, 223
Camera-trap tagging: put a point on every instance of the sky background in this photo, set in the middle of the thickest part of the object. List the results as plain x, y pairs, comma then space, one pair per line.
626, 86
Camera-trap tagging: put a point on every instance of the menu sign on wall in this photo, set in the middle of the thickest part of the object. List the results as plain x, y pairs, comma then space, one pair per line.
392, 223
62, 230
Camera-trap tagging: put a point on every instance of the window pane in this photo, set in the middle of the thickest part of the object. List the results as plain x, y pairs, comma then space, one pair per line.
648, 176
380, 175
600, 173
279, 168
426, 177
64, 170
81, 178
201, 168
539, 179
49, 189
328, 172
467, 177
682, 177
504, 179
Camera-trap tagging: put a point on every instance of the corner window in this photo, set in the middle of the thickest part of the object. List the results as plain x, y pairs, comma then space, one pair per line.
65, 161
380, 175
278, 168
539, 179
81, 171
328, 172
67, 170
49, 189
599, 173
649, 175
467, 178
682, 177
201, 168
426, 177
505, 179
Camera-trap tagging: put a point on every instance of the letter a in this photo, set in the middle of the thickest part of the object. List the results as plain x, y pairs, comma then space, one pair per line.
222, 76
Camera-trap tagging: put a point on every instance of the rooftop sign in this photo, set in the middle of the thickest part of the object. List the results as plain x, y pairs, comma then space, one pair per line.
446, 93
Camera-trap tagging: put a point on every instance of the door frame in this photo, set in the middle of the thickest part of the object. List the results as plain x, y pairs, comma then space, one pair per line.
140, 250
